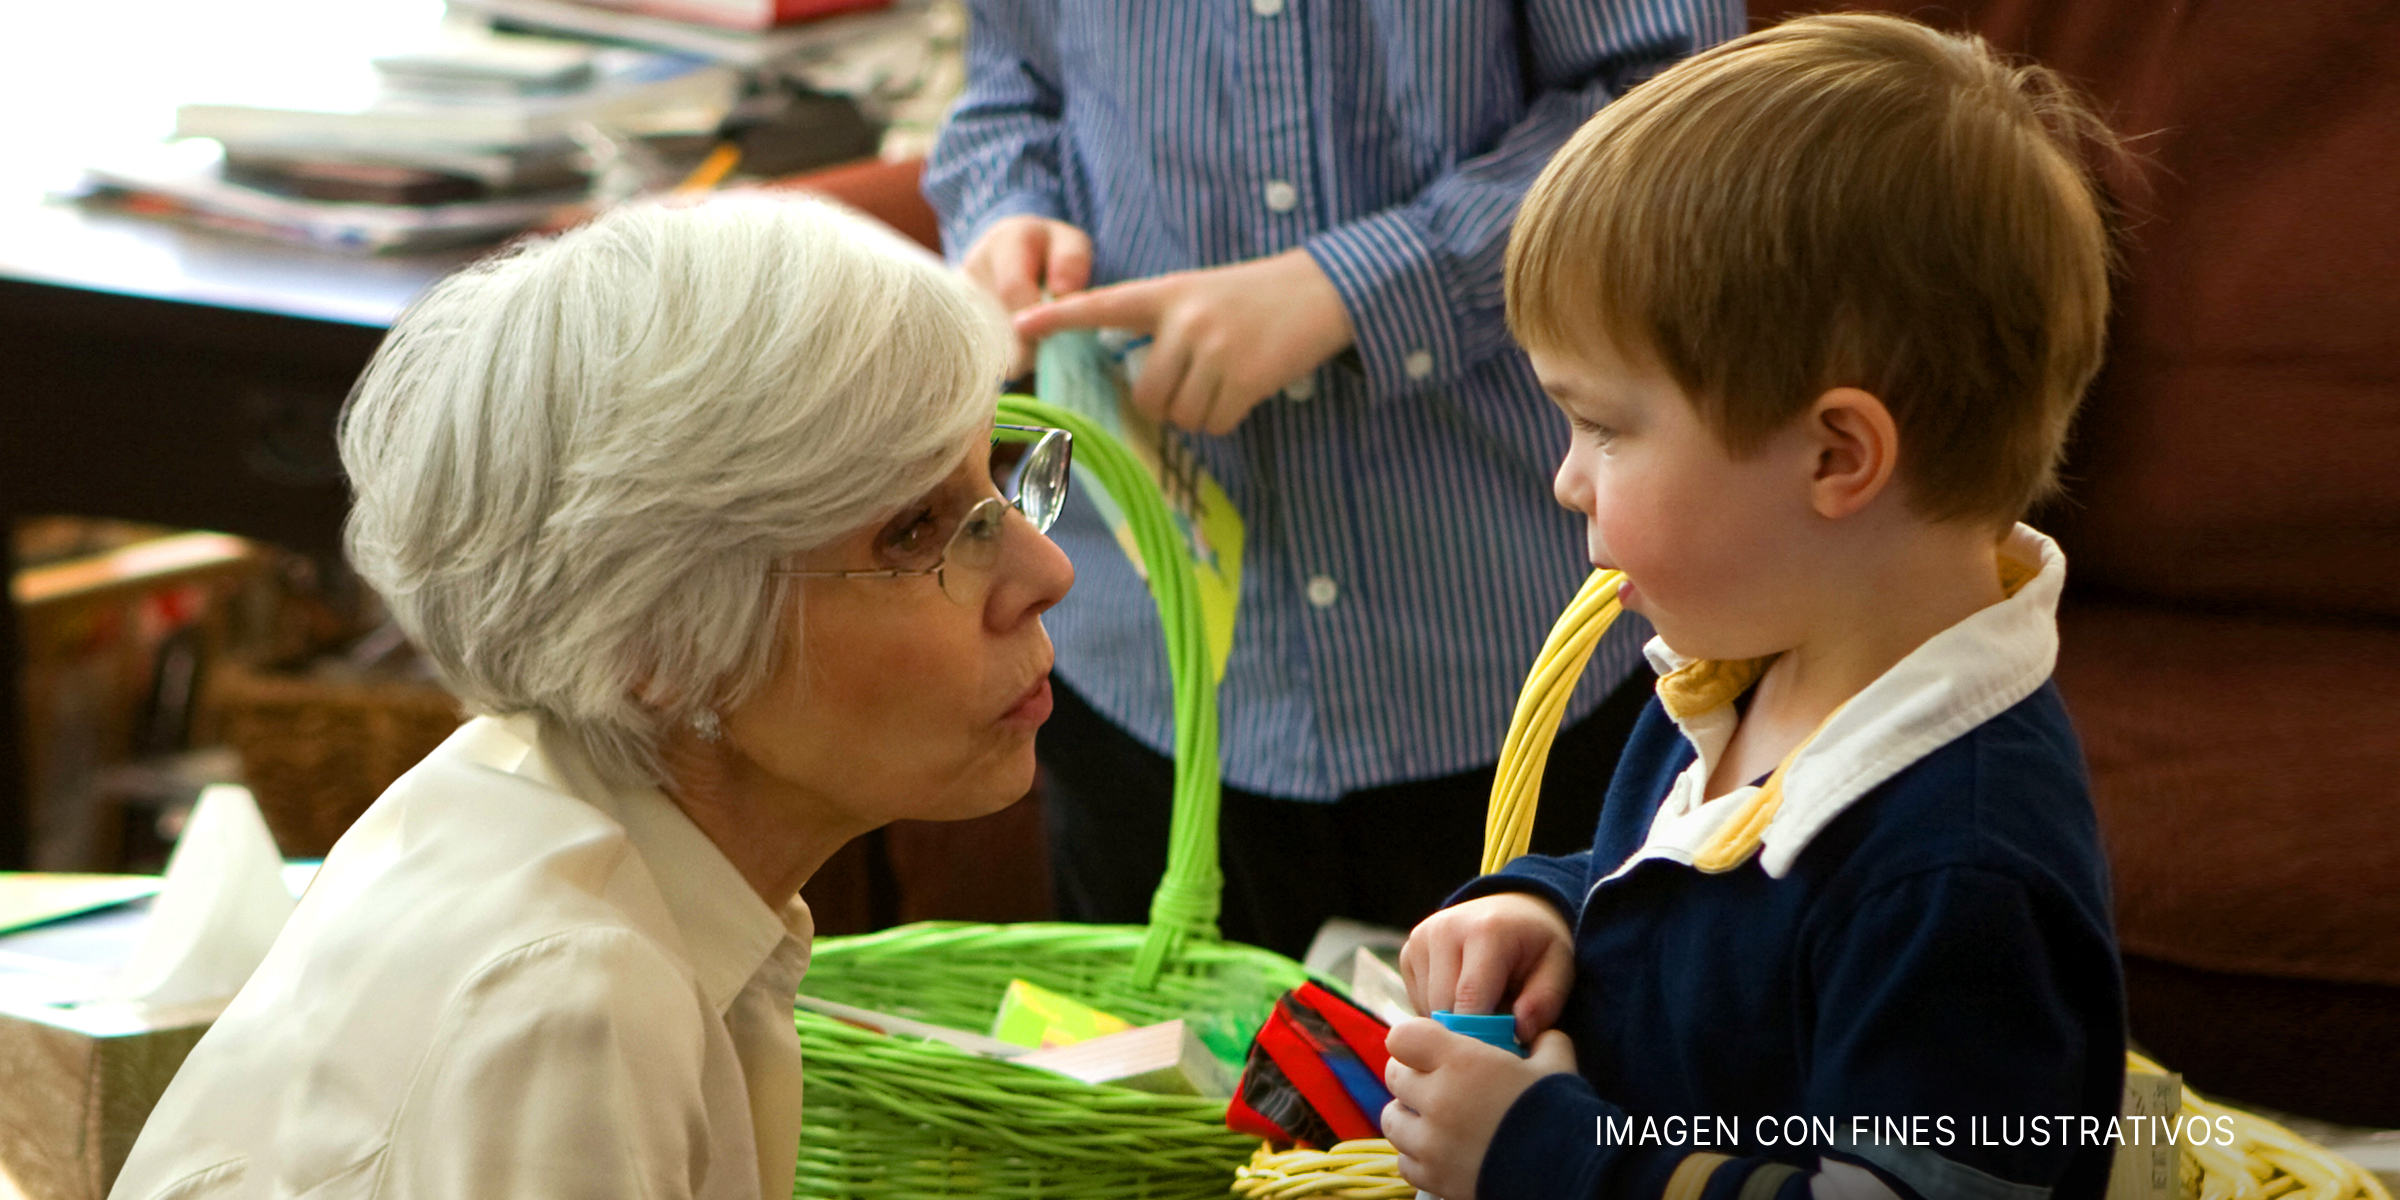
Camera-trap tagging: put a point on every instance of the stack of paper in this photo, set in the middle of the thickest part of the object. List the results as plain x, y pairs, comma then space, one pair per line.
748, 33
462, 93
1167, 1058
456, 135
30, 898
188, 180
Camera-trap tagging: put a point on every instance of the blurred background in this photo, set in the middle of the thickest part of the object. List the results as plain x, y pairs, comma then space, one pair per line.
208, 213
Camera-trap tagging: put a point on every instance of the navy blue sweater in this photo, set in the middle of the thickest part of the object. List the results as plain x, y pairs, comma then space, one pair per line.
1941, 950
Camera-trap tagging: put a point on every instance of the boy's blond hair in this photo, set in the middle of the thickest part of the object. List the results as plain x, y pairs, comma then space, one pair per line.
1844, 200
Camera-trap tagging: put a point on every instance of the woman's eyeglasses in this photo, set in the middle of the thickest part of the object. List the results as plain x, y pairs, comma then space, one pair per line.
1029, 471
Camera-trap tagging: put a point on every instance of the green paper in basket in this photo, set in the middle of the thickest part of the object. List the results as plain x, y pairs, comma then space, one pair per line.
1033, 1015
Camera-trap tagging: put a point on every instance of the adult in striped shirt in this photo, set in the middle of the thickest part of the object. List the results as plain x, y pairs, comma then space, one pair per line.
1305, 204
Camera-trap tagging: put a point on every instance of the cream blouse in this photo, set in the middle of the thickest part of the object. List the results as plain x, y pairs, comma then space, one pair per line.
508, 980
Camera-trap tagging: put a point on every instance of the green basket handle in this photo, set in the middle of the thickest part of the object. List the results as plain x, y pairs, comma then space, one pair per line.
1189, 895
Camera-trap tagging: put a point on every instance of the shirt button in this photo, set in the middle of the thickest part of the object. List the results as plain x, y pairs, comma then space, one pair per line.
1323, 591
1266, 8
1282, 196
1303, 388
1418, 364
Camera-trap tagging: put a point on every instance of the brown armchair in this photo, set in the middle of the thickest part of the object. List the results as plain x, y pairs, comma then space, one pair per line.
2232, 527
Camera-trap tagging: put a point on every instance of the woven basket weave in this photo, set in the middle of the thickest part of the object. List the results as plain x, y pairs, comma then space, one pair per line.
889, 1117
316, 752
897, 1117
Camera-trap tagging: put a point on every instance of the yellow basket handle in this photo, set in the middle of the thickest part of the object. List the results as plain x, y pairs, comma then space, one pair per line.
1517, 783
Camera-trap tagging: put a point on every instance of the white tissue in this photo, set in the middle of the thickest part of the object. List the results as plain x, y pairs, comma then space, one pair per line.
221, 904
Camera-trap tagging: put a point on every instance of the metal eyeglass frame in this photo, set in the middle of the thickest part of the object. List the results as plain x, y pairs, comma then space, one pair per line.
1035, 486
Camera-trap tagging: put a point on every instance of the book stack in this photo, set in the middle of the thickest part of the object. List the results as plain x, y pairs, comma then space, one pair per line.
837, 78
463, 137
746, 33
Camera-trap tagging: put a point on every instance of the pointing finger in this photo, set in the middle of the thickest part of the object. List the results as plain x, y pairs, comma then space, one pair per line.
1134, 306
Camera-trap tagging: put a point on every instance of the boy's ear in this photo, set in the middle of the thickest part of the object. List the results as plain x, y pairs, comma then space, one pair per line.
1858, 451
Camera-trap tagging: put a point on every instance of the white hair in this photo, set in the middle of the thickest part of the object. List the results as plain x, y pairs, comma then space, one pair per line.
574, 465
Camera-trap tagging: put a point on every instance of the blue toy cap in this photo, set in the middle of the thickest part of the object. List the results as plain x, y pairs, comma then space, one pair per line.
1492, 1029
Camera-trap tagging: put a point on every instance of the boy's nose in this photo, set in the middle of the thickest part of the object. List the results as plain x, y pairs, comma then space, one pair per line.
1569, 489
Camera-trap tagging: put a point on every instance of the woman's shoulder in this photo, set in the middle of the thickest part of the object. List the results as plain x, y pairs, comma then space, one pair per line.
476, 937
482, 858
428, 1079
462, 874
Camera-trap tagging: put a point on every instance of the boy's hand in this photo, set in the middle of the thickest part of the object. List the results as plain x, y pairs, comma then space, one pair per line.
1018, 257
1222, 339
1449, 1092
1474, 957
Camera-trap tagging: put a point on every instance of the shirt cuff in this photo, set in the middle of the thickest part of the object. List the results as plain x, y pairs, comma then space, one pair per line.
1504, 882
1549, 1146
958, 238
1544, 1146
1400, 304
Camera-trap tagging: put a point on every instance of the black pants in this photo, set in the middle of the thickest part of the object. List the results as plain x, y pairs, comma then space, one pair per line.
1388, 855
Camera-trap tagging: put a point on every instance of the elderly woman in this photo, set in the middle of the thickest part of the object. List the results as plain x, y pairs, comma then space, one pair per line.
703, 509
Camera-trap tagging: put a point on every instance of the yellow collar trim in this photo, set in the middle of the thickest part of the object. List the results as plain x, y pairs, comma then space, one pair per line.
1705, 683
1701, 685
2014, 575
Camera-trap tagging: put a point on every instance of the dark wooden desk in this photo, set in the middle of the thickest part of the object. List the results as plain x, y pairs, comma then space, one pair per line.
156, 373
153, 372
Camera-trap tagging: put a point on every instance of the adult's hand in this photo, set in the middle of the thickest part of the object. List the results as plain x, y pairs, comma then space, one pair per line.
1222, 339
1018, 258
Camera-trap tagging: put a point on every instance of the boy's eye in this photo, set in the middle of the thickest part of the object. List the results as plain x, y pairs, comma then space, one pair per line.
1597, 432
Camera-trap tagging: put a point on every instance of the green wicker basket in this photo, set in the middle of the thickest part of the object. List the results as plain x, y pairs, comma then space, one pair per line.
890, 1116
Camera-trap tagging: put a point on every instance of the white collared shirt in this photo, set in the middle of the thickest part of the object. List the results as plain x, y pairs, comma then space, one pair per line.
1960, 678
507, 980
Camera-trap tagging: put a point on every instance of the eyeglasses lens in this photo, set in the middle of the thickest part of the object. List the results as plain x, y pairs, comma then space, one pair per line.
1029, 467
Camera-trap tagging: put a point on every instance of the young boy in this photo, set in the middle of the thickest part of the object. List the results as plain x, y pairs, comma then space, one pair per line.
1819, 305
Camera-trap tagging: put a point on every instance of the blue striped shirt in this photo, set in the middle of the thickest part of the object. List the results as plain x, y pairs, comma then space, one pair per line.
1405, 557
